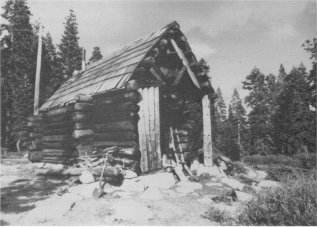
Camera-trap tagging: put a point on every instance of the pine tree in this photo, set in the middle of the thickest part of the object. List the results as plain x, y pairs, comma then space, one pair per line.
69, 50
18, 70
219, 120
96, 55
239, 118
259, 116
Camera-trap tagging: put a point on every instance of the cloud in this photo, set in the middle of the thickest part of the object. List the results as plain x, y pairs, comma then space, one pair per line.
202, 50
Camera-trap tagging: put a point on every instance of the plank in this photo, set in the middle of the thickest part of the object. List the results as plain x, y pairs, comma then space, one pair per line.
151, 108
207, 131
157, 128
142, 136
185, 63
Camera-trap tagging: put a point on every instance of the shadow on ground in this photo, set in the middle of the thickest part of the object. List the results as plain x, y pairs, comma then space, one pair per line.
20, 195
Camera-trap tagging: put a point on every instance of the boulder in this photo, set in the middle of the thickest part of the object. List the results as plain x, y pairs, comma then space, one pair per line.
232, 183
86, 177
243, 197
268, 184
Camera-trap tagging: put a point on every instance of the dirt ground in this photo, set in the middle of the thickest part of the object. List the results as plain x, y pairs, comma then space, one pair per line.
28, 199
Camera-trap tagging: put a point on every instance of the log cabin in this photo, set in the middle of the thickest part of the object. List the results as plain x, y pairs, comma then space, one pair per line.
130, 99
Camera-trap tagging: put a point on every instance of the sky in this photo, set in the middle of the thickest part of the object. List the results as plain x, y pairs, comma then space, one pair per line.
232, 36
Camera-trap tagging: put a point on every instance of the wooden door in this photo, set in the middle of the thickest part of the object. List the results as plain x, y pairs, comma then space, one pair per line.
149, 129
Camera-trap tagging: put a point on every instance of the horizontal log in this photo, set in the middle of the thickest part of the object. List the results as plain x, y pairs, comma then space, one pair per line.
59, 160
122, 126
33, 124
59, 155
35, 118
47, 150
129, 153
130, 96
108, 171
82, 98
122, 161
83, 107
101, 108
116, 136
60, 124
36, 135
58, 145
36, 129
114, 143
58, 118
60, 172
58, 131
37, 141
35, 147
78, 134
118, 116
64, 138
82, 125
81, 117
57, 112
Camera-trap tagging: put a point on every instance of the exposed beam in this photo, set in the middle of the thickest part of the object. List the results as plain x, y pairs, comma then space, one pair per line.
185, 63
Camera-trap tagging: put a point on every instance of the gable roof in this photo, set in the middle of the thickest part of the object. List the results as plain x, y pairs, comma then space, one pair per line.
106, 74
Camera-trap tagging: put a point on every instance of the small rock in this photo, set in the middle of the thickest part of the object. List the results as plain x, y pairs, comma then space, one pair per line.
86, 177
232, 183
269, 184
243, 197
151, 194
214, 184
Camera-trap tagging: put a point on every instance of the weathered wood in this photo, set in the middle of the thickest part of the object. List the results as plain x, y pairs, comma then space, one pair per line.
113, 143
158, 154
60, 172
151, 125
82, 125
83, 107
102, 108
147, 127
58, 118
57, 151
207, 131
36, 135
82, 98
81, 117
64, 138
58, 145
58, 131
35, 156
34, 124
119, 116
185, 63
56, 112
61, 124
130, 96
131, 153
142, 135
35, 118
132, 85
121, 126
84, 149
116, 136
78, 134
59, 155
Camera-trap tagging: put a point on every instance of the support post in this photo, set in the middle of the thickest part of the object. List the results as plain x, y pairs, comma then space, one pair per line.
38, 74
207, 129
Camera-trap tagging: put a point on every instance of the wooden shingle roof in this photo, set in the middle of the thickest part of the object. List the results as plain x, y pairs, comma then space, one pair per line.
107, 74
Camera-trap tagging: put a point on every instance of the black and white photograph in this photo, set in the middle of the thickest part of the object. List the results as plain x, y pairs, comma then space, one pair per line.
158, 113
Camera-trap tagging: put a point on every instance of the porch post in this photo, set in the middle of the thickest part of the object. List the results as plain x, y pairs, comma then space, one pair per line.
207, 129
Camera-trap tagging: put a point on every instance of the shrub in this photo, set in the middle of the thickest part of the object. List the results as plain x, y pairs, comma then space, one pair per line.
272, 159
295, 203
308, 160
220, 216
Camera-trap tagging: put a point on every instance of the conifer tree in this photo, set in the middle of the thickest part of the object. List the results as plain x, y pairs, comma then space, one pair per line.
18, 70
220, 117
96, 55
69, 50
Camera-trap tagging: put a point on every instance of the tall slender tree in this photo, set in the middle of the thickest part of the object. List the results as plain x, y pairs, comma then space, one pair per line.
220, 118
69, 50
18, 70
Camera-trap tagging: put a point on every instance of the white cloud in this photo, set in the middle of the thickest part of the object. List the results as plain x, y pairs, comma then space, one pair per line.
202, 50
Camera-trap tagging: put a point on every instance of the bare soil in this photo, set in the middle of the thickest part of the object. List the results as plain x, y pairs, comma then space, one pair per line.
28, 199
